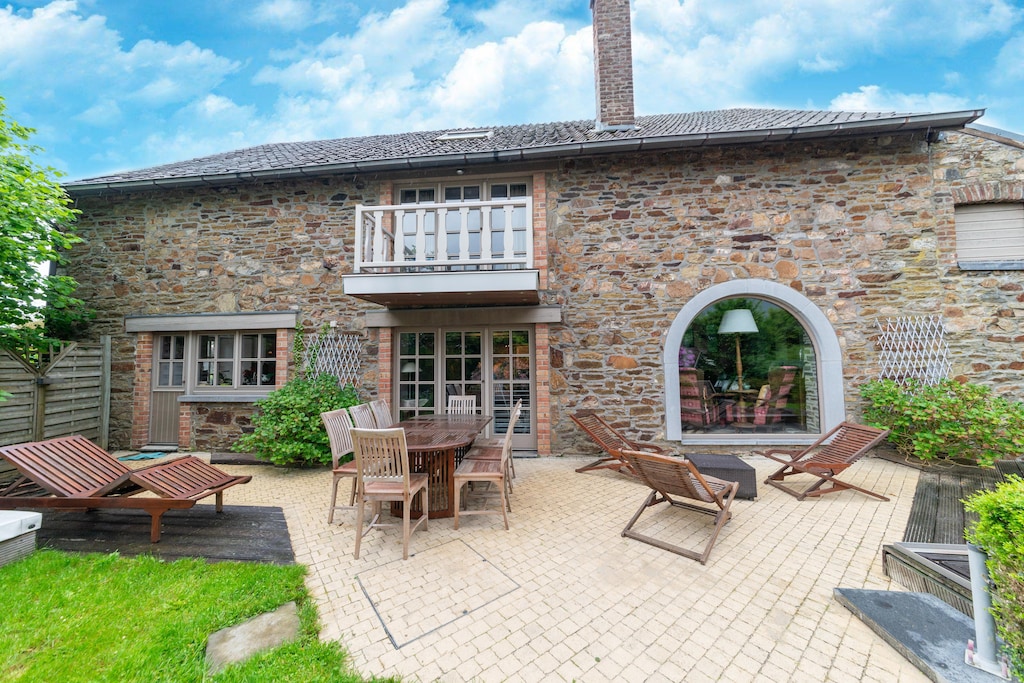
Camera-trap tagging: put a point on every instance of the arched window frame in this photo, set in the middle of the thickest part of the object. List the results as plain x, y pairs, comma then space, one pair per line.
827, 352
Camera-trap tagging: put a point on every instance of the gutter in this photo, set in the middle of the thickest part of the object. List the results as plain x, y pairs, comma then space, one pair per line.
941, 121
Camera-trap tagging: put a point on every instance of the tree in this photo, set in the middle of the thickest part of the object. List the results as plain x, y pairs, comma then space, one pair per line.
35, 228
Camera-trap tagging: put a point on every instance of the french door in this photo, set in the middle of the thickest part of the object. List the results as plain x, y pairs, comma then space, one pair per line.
493, 364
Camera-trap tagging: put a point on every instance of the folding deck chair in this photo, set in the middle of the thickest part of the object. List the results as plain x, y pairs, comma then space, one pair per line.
667, 477
72, 473
826, 458
611, 442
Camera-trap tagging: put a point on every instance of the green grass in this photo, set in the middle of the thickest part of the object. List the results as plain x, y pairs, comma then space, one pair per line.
68, 617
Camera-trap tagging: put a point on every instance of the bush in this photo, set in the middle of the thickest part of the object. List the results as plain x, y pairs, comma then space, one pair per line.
1000, 532
288, 429
947, 420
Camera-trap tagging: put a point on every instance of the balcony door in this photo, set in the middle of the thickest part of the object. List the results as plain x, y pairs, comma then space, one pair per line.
460, 229
493, 364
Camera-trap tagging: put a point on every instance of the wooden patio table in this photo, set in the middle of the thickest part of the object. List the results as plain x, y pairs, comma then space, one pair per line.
436, 445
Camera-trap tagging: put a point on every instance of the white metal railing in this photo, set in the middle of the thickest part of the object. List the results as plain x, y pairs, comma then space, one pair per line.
450, 236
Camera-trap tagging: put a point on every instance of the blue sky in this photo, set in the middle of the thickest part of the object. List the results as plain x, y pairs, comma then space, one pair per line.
120, 85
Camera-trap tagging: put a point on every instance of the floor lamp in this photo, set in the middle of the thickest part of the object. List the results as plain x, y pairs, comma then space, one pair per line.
736, 322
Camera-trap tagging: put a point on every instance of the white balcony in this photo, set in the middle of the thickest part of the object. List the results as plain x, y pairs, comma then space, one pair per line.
454, 253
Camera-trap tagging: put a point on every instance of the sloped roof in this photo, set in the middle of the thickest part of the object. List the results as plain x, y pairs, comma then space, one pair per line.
517, 143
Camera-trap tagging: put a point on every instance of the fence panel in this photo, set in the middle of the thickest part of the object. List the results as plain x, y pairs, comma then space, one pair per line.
17, 423
69, 395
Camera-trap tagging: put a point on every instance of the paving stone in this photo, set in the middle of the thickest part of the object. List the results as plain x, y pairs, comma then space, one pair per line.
239, 643
585, 592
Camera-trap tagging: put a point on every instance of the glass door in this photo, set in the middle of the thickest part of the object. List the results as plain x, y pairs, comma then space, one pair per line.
417, 382
494, 365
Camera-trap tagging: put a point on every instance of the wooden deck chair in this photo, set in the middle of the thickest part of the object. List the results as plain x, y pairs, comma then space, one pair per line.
611, 442
462, 405
826, 458
667, 477
338, 424
382, 413
72, 473
491, 448
382, 475
363, 417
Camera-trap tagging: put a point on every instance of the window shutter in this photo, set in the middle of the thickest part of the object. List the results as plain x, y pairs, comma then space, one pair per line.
989, 234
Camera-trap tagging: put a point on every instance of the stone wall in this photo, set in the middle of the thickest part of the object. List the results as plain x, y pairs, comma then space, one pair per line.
862, 228
256, 247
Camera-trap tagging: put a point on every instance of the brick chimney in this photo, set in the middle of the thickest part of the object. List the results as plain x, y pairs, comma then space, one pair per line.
613, 65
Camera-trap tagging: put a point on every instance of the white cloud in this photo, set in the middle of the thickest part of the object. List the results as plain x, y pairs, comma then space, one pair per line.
697, 54
101, 114
539, 69
874, 98
290, 15
819, 64
60, 47
1010, 62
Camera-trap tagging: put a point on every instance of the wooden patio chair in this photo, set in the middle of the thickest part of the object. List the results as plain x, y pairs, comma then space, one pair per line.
381, 409
698, 408
770, 407
611, 441
480, 466
826, 458
667, 477
382, 475
462, 405
73, 473
338, 424
495, 451
363, 417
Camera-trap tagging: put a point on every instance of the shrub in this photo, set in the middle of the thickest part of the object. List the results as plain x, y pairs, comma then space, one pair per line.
946, 420
288, 429
1000, 532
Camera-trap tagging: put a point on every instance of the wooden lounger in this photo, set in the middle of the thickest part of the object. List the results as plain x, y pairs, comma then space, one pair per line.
611, 441
72, 473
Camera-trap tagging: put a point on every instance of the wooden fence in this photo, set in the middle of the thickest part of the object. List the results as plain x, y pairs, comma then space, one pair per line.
62, 392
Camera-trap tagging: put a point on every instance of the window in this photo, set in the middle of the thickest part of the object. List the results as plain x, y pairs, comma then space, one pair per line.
990, 236
470, 134
236, 359
747, 365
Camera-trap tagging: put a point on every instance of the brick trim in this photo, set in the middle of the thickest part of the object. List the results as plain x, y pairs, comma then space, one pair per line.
989, 193
542, 381
142, 386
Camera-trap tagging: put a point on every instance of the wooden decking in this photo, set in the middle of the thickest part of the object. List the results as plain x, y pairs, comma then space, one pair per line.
937, 514
242, 533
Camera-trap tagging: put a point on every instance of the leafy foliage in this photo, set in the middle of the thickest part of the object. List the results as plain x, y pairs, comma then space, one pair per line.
288, 429
1000, 532
947, 420
35, 227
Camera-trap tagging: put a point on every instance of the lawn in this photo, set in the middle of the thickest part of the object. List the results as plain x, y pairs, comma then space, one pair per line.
69, 617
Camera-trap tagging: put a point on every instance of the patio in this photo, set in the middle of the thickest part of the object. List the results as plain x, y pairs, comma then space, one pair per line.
562, 596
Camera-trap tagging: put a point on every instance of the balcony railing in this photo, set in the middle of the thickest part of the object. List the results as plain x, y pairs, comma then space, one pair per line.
445, 237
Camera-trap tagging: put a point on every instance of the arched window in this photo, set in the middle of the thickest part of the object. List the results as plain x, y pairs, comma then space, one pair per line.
752, 360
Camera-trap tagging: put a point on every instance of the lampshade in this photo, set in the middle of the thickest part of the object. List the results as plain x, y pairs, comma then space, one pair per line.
737, 321
408, 366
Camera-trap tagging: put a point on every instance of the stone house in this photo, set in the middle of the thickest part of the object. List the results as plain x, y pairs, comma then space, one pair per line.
580, 264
